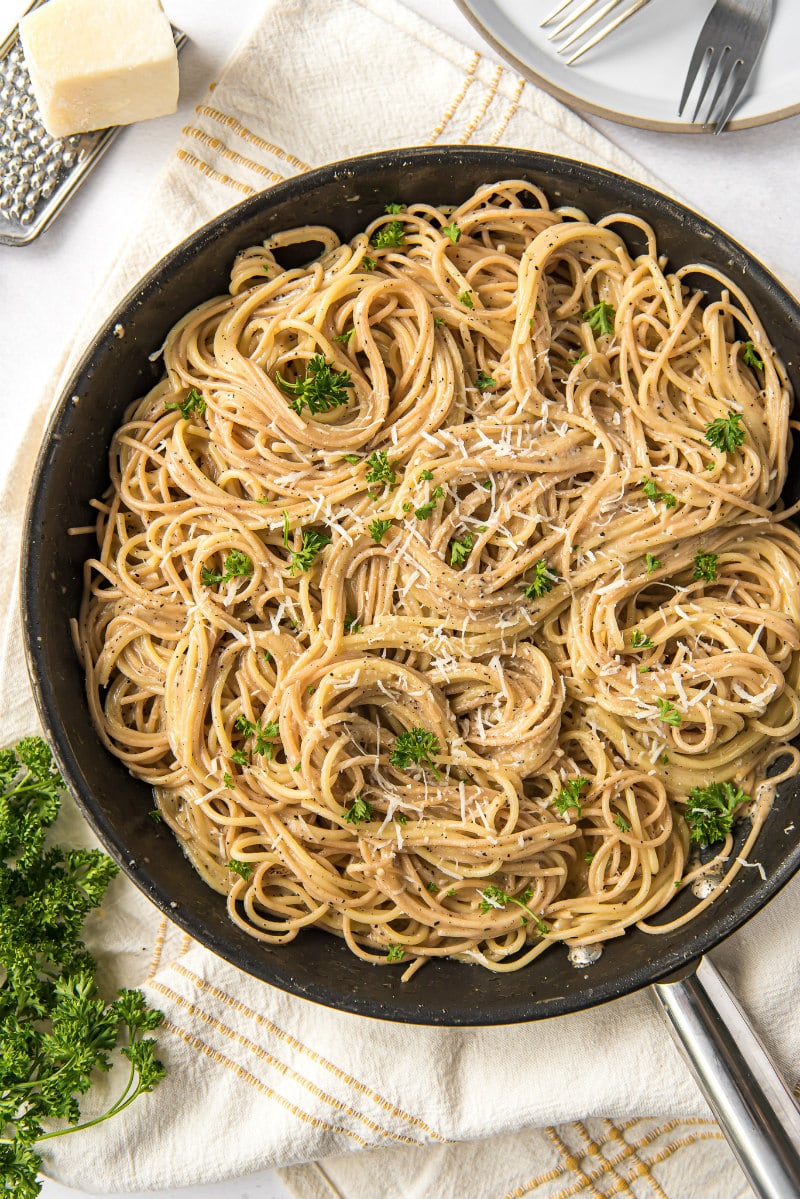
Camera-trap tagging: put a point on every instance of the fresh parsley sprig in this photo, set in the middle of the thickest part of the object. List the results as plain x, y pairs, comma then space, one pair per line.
55, 1028
381, 470
653, 493
313, 542
416, 745
705, 566
194, 402
320, 389
569, 797
726, 433
493, 897
600, 319
359, 811
389, 236
751, 356
378, 529
544, 580
263, 735
710, 811
238, 565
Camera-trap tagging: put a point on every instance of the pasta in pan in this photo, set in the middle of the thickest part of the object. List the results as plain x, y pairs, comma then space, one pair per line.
442, 591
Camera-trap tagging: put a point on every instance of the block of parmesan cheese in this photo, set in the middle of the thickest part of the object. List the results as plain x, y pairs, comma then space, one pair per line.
95, 63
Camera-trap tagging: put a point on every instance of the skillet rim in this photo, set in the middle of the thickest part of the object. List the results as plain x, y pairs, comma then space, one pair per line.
405, 1006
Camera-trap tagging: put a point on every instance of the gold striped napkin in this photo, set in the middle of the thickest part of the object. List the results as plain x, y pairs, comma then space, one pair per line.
591, 1105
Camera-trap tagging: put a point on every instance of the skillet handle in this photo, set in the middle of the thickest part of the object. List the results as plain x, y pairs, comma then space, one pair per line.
750, 1100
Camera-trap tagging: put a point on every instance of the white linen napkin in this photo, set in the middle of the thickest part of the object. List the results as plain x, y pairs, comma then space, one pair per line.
589, 1105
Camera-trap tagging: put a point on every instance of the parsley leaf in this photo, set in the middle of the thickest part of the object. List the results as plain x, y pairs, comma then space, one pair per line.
389, 235
351, 624
320, 389
600, 319
495, 897
668, 712
395, 953
381, 470
378, 528
621, 823
466, 299
653, 493
460, 550
651, 563
452, 231
312, 544
264, 735
640, 640
752, 357
710, 811
544, 579
359, 811
346, 337
705, 566
243, 869
238, 565
569, 796
726, 433
368, 263
194, 402
416, 745
484, 382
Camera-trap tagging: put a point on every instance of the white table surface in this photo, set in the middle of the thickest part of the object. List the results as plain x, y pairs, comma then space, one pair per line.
748, 182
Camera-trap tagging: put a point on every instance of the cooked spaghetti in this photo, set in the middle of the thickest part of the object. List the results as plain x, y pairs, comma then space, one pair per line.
441, 593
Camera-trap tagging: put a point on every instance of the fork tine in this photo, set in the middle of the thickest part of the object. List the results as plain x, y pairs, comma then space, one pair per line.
551, 16
723, 78
711, 69
609, 28
590, 24
700, 52
738, 86
569, 21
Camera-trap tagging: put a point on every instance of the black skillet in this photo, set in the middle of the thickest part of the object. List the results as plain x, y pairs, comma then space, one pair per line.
73, 467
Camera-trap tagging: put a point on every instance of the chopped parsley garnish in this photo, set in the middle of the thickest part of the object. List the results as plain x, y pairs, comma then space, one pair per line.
425, 510
588, 858
710, 811
752, 357
320, 389
228, 779
484, 382
726, 433
55, 1028
432, 887
460, 550
600, 319
651, 563
390, 235
544, 579
243, 869
438, 321
425, 476
621, 823
313, 543
155, 816
400, 818
466, 299
393, 209
705, 566
359, 811
368, 263
381, 470
237, 566
353, 459
395, 953
452, 231
569, 796
240, 757
495, 897
577, 359
640, 640
487, 484
418, 746
194, 402
378, 528
668, 712
346, 337
653, 493
351, 624
264, 735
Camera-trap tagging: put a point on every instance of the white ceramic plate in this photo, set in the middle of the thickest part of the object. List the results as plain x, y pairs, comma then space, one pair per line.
636, 74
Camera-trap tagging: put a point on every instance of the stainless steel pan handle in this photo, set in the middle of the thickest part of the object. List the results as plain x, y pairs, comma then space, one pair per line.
750, 1100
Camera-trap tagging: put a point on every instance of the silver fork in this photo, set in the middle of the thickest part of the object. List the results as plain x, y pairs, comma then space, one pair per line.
567, 25
728, 48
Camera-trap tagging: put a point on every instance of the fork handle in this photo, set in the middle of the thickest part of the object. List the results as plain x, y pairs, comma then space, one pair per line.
754, 1107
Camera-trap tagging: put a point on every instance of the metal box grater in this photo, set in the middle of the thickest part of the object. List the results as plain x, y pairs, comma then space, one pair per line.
38, 173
